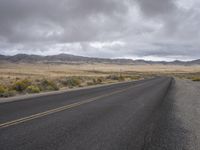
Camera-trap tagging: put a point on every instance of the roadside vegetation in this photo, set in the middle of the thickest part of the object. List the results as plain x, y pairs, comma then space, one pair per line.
25, 78
194, 76
19, 79
18, 86
196, 79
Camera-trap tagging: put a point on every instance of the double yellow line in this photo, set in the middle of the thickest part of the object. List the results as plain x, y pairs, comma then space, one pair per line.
59, 109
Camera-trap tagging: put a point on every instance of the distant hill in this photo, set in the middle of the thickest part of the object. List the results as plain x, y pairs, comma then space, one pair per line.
68, 59
61, 58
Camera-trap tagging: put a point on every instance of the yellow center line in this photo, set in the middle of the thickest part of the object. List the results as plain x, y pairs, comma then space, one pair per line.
59, 109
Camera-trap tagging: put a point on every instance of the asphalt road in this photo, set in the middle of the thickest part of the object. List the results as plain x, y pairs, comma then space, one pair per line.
115, 117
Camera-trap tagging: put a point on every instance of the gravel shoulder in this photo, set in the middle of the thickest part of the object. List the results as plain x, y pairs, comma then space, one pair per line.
187, 102
176, 124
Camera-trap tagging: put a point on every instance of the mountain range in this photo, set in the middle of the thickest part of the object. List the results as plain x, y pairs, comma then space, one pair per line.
68, 59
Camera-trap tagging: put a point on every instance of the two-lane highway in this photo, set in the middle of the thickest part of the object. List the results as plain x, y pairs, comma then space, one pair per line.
113, 117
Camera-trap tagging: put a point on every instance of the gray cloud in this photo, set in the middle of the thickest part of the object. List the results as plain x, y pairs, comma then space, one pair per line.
66, 20
154, 8
145, 28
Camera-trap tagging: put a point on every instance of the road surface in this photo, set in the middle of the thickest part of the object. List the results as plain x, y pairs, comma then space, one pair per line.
125, 116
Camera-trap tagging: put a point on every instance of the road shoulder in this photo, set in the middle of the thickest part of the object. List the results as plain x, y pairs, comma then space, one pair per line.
176, 124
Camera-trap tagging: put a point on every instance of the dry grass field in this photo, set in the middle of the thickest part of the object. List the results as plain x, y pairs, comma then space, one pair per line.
34, 78
56, 70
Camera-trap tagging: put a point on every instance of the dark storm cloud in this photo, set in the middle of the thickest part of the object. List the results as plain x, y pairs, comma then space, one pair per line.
154, 8
106, 28
63, 20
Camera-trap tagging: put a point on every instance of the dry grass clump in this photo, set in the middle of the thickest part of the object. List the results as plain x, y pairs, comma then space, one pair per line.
6, 92
135, 77
33, 89
196, 79
48, 85
20, 86
194, 76
71, 82
116, 77
98, 80
95, 81
23, 86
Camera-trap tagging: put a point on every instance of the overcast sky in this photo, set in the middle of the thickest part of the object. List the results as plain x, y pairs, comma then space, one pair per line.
144, 29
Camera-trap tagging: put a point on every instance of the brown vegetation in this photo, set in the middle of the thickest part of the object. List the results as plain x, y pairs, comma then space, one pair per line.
35, 78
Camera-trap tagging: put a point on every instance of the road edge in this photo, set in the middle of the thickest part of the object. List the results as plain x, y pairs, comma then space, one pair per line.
27, 96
